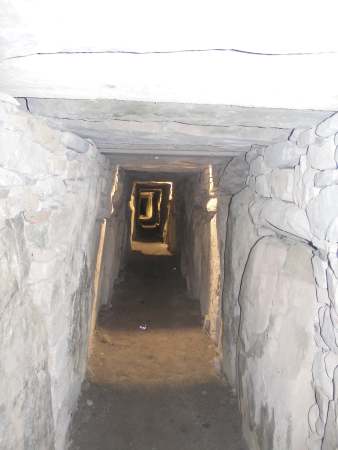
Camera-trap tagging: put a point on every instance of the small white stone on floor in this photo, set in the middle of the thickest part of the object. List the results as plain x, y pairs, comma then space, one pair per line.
90, 402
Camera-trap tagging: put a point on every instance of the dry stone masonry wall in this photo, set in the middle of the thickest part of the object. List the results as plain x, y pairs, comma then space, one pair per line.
54, 188
205, 211
116, 237
280, 301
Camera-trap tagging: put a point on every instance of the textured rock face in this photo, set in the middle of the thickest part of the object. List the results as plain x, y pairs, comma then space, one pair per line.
205, 220
328, 127
293, 194
236, 254
50, 197
323, 214
276, 346
114, 250
283, 155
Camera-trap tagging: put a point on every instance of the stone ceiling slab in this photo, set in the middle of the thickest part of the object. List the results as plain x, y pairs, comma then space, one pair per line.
287, 26
167, 164
174, 129
208, 77
186, 113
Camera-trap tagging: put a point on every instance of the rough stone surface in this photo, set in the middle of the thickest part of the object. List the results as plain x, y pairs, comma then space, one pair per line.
304, 185
306, 137
323, 213
276, 347
263, 186
331, 434
330, 440
233, 176
322, 154
332, 285
74, 142
236, 254
319, 269
282, 184
326, 178
328, 126
286, 218
258, 166
283, 155
204, 238
333, 260
48, 241
304, 210
114, 250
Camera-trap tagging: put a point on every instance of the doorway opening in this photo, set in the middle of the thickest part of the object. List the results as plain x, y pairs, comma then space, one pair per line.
151, 218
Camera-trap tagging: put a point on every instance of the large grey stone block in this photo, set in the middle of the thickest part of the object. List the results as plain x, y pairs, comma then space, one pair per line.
263, 185
326, 178
258, 166
234, 176
284, 155
235, 257
306, 137
285, 218
330, 441
74, 142
322, 212
282, 184
333, 259
276, 346
328, 126
44, 230
327, 328
323, 295
304, 189
332, 285
322, 154
319, 268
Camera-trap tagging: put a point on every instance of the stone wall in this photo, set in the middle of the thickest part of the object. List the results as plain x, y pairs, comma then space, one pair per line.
205, 213
276, 346
115, 238
287, 310
241, 235
53, 189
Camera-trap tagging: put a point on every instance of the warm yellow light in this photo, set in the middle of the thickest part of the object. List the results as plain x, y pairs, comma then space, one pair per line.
211, 179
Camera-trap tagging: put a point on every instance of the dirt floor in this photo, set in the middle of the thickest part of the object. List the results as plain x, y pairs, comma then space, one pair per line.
151, 248
152, 382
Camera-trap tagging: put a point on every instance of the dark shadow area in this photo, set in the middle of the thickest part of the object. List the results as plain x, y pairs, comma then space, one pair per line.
152, 384
197, 417
140, 298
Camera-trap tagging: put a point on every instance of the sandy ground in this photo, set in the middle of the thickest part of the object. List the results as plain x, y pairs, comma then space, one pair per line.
152, 384
151, 248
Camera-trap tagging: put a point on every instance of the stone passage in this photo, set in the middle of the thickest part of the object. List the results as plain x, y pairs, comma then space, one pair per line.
152, 381
253, 224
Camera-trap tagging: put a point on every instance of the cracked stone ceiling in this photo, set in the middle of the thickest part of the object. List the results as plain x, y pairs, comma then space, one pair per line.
155, 86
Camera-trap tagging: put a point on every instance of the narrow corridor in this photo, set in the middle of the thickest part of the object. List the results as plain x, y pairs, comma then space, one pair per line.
152, 382
168, 221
